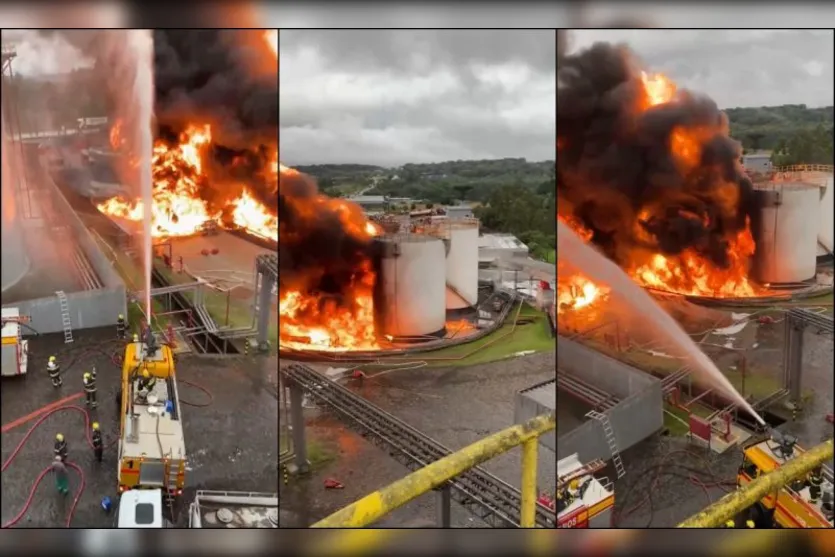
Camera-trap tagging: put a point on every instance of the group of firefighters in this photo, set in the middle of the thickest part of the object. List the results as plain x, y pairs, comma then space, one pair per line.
59, 467
88, 380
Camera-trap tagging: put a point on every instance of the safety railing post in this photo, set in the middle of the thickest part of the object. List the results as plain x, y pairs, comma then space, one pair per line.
528, 505
297, 423
444, 499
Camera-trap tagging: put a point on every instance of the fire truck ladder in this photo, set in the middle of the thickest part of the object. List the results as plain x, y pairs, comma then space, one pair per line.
610, 440
481, 493
587, 470
65, 316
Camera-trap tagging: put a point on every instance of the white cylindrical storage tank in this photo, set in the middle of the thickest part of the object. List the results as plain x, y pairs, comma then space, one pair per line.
825, 223
462, 264
785, 230
409, 298
15, 263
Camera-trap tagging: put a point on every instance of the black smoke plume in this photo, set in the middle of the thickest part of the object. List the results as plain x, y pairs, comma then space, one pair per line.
614, 162
317, 254
210, 75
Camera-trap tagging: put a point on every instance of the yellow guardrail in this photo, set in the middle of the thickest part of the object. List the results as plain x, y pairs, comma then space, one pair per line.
374, 506
737, 501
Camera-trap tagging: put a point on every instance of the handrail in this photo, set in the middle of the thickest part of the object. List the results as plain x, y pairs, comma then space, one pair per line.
735, 502
374, 506
827, 168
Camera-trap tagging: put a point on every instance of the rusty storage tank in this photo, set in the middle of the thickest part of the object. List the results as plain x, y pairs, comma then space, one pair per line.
785, 229
15, 262
410, 293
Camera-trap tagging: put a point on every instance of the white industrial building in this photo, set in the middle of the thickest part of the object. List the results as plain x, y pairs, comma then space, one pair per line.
459, 212
501, 245
370, 202
757, 162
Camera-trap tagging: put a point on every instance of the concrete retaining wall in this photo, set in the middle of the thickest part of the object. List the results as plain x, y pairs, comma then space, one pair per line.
92, 308
638, 415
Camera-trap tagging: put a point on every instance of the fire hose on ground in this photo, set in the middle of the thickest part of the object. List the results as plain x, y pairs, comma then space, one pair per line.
75, 467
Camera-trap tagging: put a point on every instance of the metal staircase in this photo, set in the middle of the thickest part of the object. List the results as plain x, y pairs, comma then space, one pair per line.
65, 316
610, 440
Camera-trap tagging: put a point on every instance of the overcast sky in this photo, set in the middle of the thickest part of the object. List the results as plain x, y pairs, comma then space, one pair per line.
392, 97
737, 68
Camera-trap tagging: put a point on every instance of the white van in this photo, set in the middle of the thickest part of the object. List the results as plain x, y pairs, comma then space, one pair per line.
141, 508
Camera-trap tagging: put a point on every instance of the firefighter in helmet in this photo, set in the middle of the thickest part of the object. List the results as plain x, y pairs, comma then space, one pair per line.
145, 384
54, 371
60, 447
120, 327
98, 445
90, 390
815, 481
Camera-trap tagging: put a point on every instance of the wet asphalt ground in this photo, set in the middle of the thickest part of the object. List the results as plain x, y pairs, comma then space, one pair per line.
456, 406
232, 442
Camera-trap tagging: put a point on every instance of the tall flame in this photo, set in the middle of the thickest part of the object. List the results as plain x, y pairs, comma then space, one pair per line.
178, 177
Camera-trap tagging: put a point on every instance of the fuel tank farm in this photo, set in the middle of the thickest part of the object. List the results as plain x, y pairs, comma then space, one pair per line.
605, 406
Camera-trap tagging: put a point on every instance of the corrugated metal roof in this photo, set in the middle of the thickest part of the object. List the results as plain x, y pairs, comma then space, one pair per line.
368, 199
500, 241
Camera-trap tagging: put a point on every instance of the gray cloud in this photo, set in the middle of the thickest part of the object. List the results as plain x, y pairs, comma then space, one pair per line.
391, 97
737, 68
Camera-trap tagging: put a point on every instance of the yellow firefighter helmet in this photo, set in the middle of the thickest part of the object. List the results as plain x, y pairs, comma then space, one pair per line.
59, 437
95, 425
52, 359
145, 374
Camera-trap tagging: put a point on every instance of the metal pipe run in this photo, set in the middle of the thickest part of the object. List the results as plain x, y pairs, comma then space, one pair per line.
372, 507
733, 503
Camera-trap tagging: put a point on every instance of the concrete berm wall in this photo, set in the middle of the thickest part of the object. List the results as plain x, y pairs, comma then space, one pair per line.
638, 415
87, 309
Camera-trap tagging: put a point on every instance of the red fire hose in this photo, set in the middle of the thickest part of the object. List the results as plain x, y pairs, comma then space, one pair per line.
43, 474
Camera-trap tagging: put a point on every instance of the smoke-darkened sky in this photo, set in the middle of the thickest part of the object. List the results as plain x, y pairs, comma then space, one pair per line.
735, 67
392, 97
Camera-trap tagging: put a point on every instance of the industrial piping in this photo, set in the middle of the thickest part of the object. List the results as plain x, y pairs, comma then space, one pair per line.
728, 506
374, 506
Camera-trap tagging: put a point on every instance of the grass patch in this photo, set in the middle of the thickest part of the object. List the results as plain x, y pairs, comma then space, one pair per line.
319, 454
673, 418
757, 384
501, 343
